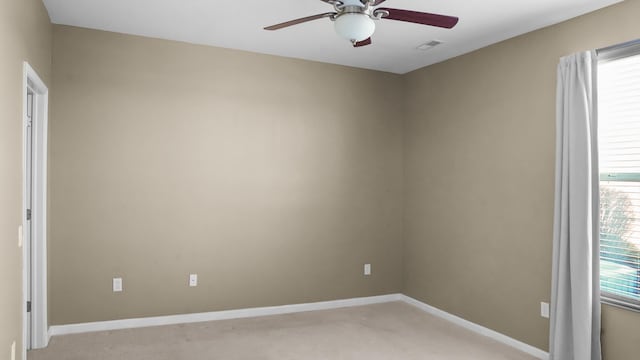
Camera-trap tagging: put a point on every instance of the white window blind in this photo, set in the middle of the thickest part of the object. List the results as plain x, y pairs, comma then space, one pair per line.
619, 157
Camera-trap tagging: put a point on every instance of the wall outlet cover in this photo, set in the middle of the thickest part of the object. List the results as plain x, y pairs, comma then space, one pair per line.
544, 309
193, 280
367, 269
117, 284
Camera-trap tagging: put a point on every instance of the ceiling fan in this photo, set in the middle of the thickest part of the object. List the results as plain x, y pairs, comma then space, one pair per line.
354, 19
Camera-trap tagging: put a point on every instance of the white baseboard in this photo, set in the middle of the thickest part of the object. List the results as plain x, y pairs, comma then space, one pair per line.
526, 348
216, 315
288, 309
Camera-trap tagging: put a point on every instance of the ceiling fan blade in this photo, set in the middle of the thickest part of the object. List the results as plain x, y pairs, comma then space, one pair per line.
417, 17
364, 42
299, 21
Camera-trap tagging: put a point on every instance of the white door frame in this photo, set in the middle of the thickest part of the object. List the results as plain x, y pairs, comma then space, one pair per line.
39, 326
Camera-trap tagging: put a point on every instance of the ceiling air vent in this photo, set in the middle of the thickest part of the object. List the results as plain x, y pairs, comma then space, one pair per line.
429, 45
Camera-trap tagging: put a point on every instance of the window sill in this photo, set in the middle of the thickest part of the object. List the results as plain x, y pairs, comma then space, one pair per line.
622, 304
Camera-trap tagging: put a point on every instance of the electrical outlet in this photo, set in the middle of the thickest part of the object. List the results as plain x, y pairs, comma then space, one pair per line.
13, 350
544, 309
367, 269
117, 284
193, 280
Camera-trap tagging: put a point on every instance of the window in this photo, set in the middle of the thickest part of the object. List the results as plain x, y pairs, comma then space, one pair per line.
619, 161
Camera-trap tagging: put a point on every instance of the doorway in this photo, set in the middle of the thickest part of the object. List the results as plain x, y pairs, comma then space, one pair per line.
34, 204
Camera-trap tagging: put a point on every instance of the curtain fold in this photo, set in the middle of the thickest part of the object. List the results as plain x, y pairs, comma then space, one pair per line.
575, 293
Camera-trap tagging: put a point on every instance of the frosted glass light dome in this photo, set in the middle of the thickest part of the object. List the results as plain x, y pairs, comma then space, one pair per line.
354, 27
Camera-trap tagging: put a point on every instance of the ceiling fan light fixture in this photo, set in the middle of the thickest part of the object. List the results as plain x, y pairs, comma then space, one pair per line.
354, 26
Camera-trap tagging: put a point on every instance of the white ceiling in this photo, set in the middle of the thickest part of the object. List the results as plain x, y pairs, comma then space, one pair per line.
238, 25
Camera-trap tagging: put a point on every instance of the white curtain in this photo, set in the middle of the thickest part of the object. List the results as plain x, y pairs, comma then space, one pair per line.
575, 293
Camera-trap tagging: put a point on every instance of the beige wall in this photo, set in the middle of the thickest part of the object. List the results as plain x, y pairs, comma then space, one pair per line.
273, 179
25, 34
479, 186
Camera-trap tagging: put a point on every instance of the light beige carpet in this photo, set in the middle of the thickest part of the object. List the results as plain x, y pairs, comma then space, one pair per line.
378, 332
